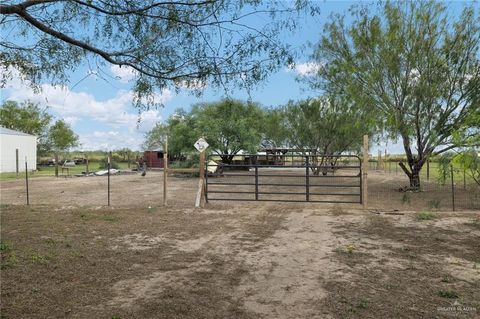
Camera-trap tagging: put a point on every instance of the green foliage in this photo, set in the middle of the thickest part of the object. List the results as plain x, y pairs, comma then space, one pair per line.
61, 137
414, 67
274, 131
103, 164
229, 126
469, 161
26, 117
444, 168
424, 215
325, 126
450, 293
406, 198
162, 43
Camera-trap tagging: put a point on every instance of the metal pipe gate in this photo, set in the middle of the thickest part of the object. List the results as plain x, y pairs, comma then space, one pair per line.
306, 178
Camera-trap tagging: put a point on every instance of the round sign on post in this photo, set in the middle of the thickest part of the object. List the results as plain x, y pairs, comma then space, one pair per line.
201, 145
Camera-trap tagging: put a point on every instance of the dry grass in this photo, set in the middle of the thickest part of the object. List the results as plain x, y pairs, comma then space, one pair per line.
268, 261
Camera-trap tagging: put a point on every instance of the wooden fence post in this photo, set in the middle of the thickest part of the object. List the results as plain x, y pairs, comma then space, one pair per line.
365, 172
165, 171
199, 201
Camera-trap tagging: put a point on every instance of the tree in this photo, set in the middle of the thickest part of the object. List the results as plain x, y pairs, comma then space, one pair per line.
61, 138
274, 132
469, 161
325, 128
414, 66
162, 43
229, 126
26, 117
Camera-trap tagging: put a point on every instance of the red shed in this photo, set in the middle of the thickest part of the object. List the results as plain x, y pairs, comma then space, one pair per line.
154, 158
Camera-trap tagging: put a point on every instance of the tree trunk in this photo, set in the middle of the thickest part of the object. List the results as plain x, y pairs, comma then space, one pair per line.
413, 174
227, 159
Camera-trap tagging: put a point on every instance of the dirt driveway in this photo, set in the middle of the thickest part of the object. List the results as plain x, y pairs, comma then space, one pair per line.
263, 261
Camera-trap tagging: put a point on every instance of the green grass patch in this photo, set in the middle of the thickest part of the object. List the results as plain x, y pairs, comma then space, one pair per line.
39, 259
425, 215
450, 294
45, 171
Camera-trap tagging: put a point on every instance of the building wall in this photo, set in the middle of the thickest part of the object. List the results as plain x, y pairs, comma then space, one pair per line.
27, 147
153, 159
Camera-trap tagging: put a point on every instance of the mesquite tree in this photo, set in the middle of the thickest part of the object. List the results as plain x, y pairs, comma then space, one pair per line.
229, 126
325, 128
416, 67
189, 43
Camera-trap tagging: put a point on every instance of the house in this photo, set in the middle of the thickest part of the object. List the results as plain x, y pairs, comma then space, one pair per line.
15, 148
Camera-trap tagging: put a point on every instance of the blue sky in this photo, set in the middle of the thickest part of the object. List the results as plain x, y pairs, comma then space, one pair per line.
98, 104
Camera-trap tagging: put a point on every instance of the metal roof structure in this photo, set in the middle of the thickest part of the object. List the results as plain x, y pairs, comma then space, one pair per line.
7, 131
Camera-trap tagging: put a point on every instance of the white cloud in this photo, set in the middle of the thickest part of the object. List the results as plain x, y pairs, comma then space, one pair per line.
72, 105
110, 140
124, 74
115, 113
305, 69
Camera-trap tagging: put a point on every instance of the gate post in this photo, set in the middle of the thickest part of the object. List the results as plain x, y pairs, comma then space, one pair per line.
365, 172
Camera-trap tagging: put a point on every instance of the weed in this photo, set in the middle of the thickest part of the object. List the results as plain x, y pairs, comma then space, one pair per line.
151, 209
424, 215
9, 261
405, 198
4, 206
5, 247
434, 203
50, 241
363, 303
116, 317
40, 259
109, 218
450, 294
446, 279
350, 248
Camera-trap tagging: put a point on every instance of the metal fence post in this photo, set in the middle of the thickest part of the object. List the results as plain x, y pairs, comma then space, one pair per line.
307, 178
17, 160
365, 172
108, 177
428, 169
453, 188
256, 178
26, 181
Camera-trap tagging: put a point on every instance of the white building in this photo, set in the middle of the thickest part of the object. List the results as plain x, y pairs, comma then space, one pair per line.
15, 147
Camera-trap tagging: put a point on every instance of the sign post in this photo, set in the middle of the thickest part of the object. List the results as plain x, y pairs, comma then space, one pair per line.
201, 145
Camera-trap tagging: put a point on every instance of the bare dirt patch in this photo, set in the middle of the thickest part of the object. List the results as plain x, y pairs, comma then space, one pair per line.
264, 261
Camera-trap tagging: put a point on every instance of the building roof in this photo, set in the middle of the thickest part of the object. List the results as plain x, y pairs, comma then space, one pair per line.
7, 131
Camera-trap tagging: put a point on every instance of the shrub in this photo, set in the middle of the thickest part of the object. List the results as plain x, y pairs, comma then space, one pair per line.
103, 164
425, 215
